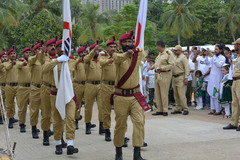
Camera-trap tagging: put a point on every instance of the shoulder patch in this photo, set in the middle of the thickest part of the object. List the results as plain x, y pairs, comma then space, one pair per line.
102, 53
168, 52
73, 57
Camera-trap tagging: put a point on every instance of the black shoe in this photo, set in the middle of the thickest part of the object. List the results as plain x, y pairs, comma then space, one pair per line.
22, 128
107, 135
137, 154
45, 138
88, 128
125, 142
145, 144
80, 118
76, 121
50, 133
10, 124
118, 155
64, 144
157, 113
92, 125
71, 150
176, 112
165, 113
38, 130
169, 108
101, 129
185, 112
238, 128
34, 132
14, 120
230, 126
58, 149
1, 120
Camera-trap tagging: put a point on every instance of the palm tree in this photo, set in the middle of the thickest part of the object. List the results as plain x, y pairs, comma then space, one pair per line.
230, 17
180, 19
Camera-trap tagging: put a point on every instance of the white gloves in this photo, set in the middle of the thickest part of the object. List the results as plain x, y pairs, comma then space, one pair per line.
63, 58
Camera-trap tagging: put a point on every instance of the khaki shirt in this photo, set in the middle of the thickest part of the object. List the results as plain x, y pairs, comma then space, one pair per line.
24, 72
108, 70
122, 63
181, 66
71, 64
93, 69
236, 72
48, 70
12, 72
36, 69
79, 71
165, 60
2, 73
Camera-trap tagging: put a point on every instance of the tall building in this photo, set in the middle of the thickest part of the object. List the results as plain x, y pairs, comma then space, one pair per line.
105, 5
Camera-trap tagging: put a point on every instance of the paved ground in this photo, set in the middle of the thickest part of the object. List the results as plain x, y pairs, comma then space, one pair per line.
197, 136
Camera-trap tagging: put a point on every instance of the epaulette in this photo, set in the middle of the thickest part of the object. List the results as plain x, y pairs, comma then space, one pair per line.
51, 57
102, 53
73, 57
20, 59
168, 52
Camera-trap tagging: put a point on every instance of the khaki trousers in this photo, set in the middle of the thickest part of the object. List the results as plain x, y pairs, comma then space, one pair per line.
105, 92
235, 102
11, 93
35, 103
22, 102
3, 97
46, 107
124, 106
180, 93
162, 85
58, 122
92, 92
79, 91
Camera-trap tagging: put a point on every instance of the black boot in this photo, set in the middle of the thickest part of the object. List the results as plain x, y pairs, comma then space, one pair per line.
76, 124
107, 135
1, 120
64, 144
50, 133
45, 138
71, 150
88, 128
92, 125
34, 132
137, 154
14, 120
125, 142
118, 155
10, 124
58, 149
101, 129
22, 128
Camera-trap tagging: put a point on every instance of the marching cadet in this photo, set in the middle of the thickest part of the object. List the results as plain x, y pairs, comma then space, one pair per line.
11, 85
92, 88
36, 81
79, 81
163, 69
46, 89
127, 96
4, 58
180, 74
24, 81
107, 86
54, 68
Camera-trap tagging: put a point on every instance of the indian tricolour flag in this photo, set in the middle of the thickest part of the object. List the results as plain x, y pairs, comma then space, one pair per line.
65, 89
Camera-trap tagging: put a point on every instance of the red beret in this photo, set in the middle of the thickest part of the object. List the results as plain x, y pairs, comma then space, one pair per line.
38, 45
50, 41
127, 36
92, 46
58, 42
13, 49
112, 41
28, 49
81, 49
4, 52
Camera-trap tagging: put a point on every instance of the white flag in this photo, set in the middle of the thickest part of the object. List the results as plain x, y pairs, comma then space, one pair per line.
65, 88
139, 32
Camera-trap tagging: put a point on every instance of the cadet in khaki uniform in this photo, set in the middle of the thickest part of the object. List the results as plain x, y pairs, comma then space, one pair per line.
163, 68
92, 87
58, 122
4, 59
180, 74
11, 86
79, 81
46, 89
125, 102
36, 81
107, 86
24, 80
235, 90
